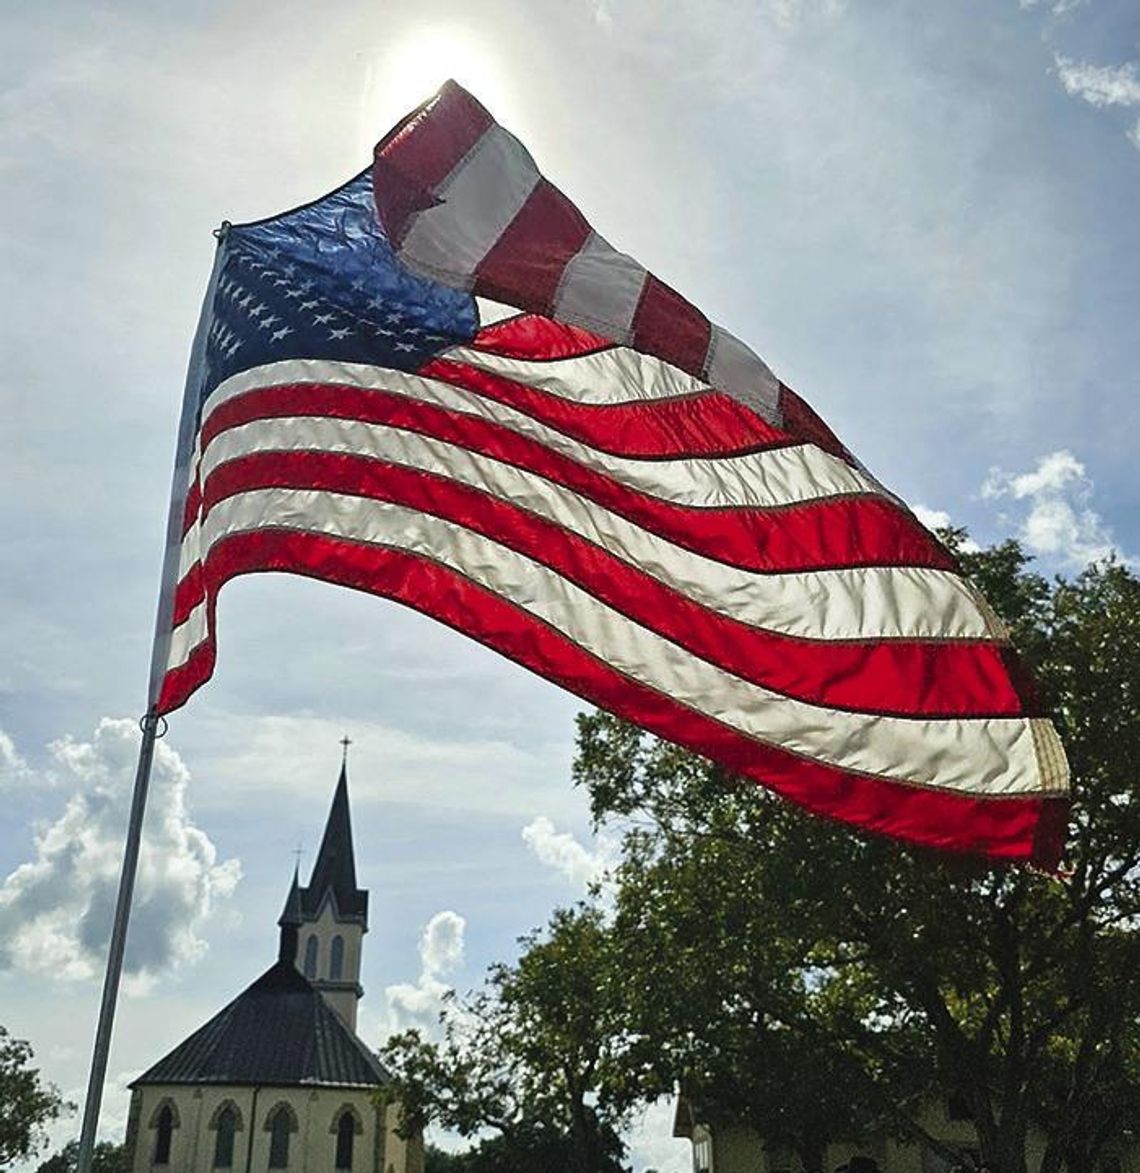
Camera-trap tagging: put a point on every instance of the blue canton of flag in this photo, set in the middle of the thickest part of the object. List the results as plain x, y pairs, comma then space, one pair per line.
322, 282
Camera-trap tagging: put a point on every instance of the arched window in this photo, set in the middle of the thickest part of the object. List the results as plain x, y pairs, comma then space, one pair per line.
163, 1135
281, 1122
336, 959
226, 1122
345, 1135
311, 957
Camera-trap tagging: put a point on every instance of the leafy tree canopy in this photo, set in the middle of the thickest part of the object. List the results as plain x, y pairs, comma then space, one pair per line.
815, 983
531, 1057
27, 1104
107, 1158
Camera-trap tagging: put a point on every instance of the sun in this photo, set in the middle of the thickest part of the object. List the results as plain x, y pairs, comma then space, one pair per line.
415, 67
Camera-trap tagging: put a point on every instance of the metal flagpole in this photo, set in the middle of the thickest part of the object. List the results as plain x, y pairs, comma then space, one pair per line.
150, 724
153, 721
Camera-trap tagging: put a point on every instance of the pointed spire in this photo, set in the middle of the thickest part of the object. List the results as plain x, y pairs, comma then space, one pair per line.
335, 868
291, 913
289, 920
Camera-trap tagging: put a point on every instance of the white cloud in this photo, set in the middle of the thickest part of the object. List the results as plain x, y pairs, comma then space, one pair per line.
418, 1004
1060, 522
939, 519
56, 911
561, 851
441, 946
14, 770
931, 518
1099, 85
1102, 86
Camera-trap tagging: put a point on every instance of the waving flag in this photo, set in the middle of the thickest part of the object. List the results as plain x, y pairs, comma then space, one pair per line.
608, 489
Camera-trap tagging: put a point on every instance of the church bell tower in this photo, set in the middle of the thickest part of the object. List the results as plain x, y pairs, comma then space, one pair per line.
323, 924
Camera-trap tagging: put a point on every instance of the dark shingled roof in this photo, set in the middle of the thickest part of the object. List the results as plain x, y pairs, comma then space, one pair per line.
335, 868
278, 1032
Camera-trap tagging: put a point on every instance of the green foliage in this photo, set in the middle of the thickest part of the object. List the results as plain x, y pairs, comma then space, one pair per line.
526, 1150
437, 1160
107, 1158
815, 983
531, 1056
27, 1105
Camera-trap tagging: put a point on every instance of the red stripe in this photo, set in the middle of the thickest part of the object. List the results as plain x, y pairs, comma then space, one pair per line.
531, 336
193, 504
700, 424
412, 161
905, 678
801, 421
1011, 828
180, 684
670, 327
528, 260
842, 531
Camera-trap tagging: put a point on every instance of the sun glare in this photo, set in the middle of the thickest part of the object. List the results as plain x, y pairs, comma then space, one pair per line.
414, 68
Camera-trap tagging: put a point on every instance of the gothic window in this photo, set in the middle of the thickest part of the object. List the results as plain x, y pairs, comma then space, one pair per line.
311, 957
702, 1155
345, 1135
336, 959
163, 1134
226, 1123
281, 1122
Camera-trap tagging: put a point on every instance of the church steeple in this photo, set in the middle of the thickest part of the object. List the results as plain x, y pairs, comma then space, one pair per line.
335, 869
290, 921
331, 913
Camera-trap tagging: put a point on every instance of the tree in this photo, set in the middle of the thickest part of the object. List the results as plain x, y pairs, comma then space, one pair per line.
27, 1104
814, 982
530, 1056
106, 1158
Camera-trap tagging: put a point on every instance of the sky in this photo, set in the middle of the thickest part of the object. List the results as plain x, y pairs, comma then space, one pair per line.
923, 216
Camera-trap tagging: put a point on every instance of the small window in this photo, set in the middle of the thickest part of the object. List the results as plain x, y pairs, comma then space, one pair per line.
702, 1155
164, 1134
345, 1136
224, 1140
336, 959
311, 957
279, 1128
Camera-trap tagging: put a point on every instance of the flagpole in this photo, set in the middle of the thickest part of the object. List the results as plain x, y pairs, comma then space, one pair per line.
150, 726
153, 724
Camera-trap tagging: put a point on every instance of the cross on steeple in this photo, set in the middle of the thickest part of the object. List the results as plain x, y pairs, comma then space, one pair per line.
345, 742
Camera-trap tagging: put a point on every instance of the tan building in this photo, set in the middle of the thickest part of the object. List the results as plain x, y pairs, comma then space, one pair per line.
278, 1079
733, 1148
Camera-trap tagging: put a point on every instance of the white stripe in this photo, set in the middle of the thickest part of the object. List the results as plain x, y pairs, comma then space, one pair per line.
755, 480
480, 199
600, 289
855, 603
605, 378
992, 756
736, 368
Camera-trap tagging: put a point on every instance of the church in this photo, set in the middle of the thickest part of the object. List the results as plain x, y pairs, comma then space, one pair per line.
278, 1079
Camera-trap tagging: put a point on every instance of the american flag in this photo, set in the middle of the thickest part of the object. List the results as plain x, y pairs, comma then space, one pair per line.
606, 488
